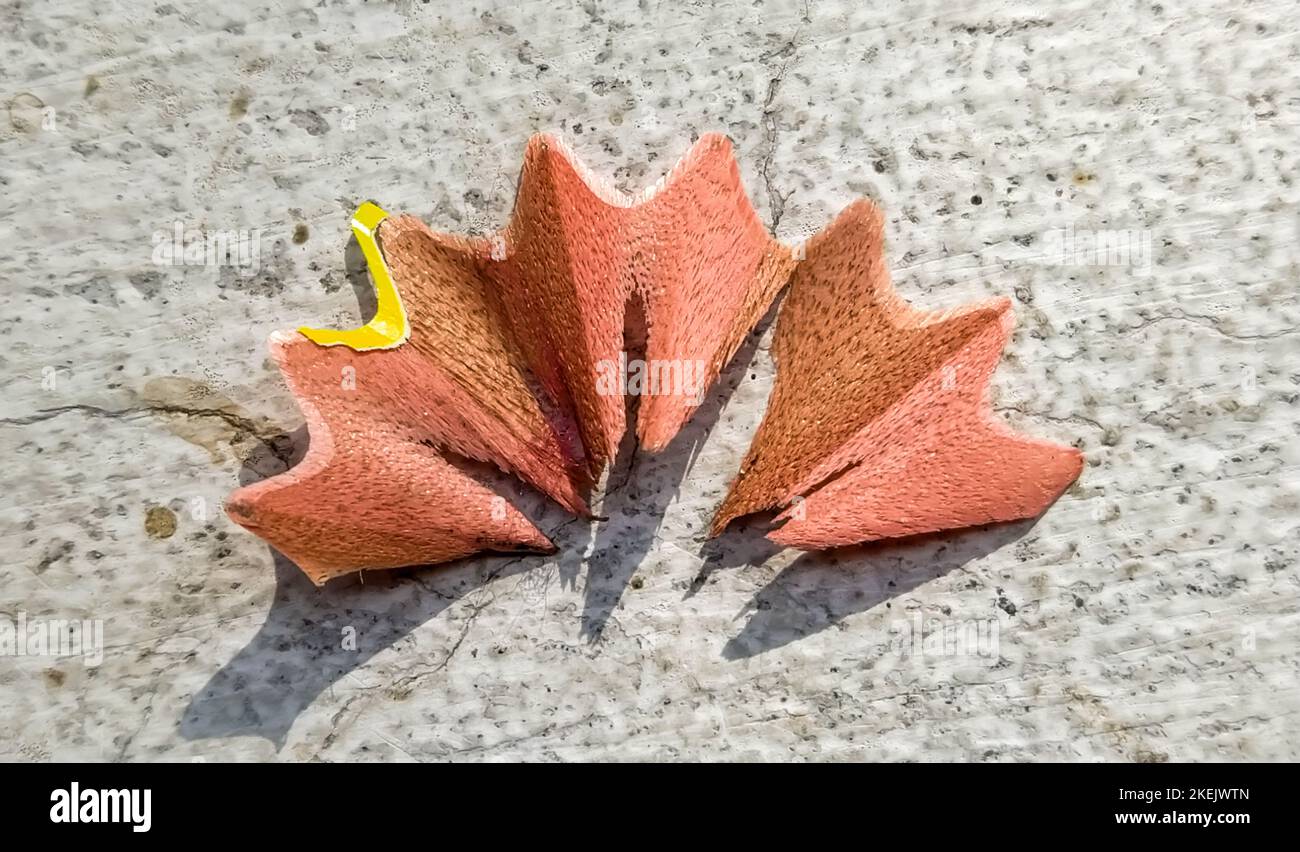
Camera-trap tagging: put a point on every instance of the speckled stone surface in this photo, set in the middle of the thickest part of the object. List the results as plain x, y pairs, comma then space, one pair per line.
1151, 614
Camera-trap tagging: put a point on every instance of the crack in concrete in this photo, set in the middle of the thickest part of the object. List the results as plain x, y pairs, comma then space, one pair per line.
1055, 418
243, 426
1206, 321
775, 199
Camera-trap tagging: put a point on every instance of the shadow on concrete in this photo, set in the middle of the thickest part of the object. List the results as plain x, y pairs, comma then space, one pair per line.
302, 649
744, 543
354, 266
313, 637
819, 590
633, 509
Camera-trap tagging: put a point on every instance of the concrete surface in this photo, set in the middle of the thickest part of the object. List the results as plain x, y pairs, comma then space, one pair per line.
1150, 615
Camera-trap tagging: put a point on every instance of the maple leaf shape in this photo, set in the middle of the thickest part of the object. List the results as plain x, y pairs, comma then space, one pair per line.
878, 426
492, 350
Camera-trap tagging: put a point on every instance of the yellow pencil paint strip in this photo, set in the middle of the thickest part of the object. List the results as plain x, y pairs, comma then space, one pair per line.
389, 328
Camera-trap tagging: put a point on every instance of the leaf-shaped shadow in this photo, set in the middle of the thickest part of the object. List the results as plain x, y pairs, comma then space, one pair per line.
820, 590
313, 637
634, 508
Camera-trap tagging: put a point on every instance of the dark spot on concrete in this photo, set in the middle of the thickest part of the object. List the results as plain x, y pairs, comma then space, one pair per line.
239, 106
54, 677
262, 277
160, 522
147, 284
331, 281
92, 85
26, 112
300, 233
309, 120
53, 553
976, 200
488, 19
97, 291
